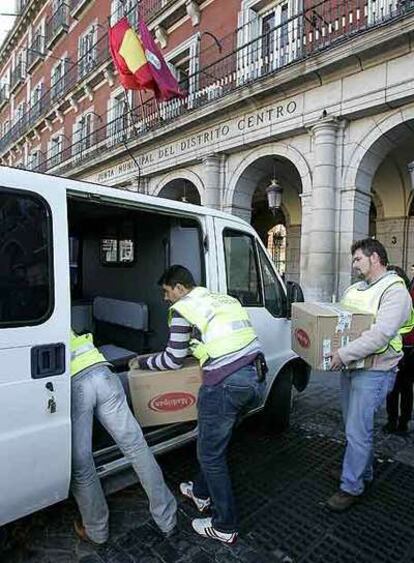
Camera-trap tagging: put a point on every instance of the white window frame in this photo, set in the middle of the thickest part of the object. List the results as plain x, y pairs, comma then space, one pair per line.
82, 143
86, 60
55, 159
115, 133
62, 62
192, 45
33, 158
250, 64
120, 7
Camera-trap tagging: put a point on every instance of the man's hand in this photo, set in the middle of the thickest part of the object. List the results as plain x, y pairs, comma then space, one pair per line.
336, 362
134, 363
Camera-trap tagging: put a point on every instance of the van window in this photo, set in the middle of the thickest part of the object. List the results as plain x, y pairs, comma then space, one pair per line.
275, 299
26, 271
242, 272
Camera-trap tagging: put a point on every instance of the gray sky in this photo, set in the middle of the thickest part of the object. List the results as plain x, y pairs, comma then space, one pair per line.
6, 22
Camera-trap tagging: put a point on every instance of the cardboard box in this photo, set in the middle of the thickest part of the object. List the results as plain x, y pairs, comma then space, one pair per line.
319, 329
164, 397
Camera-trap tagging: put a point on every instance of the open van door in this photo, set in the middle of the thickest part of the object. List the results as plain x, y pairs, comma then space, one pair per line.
35, 431
251, 278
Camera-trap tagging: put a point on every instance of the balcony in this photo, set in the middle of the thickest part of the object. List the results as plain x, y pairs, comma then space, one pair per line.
17, 77
245, 59
35, 52
57, 25
4, 95
76, 7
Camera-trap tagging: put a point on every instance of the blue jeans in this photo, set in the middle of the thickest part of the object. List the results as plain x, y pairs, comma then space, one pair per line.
219, 407
363, 392
98, 390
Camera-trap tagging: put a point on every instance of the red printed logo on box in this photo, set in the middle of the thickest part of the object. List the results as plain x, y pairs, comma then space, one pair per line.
302, 338
169, 402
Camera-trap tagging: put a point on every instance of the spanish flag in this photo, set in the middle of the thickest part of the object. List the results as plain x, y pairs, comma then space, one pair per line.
129, 57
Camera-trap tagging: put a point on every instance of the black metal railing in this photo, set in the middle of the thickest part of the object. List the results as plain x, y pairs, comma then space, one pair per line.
243, 59
35, 51
57, 23
76, 4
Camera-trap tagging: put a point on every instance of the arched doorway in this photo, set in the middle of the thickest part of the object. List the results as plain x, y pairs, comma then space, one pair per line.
251, 189
181, 189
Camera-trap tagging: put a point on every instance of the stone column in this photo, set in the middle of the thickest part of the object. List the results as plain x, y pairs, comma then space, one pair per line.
212, 181
319, 275
353, 225
306, 225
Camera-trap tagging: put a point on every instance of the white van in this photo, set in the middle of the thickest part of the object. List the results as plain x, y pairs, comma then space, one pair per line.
75, 252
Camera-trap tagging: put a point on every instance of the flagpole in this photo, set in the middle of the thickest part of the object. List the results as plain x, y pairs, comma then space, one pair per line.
127, 107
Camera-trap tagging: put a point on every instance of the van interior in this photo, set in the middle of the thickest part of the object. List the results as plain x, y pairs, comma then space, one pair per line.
117, 255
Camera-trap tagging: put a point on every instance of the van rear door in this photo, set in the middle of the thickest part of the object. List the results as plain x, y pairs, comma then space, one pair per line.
34, 329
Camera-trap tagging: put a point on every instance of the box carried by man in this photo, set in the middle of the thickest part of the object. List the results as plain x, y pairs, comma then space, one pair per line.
319, 329
164, 397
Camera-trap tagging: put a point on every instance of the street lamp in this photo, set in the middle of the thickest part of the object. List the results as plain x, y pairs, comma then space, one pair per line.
274, 192
411, 172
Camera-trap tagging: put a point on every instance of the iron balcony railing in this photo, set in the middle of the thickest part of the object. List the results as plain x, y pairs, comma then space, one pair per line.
57, 23
75, 5
246, 57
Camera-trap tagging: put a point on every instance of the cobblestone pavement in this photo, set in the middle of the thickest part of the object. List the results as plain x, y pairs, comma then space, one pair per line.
281, 484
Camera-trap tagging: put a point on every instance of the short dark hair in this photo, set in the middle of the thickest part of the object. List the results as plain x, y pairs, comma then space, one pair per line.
177, 274
370, 245
400, 272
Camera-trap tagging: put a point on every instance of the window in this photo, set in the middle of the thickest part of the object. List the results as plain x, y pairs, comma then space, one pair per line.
33, 160
274, 296
271, 36
57, 82
117, 246
242, 273
118, 125
55, 150
83, 129
36, 96
19, 112
121, 8
87, 52
26, 271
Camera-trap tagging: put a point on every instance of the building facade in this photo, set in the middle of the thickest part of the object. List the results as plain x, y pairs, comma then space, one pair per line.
316, 97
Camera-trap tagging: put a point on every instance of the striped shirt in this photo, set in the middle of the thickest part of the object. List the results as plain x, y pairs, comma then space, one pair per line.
214, 370
177, 347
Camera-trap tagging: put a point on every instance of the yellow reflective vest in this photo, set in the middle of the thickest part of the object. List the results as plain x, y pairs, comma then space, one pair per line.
83, 353
367, 298
222, 322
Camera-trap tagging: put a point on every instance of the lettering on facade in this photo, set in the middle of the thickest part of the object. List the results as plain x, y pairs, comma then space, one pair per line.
205, 139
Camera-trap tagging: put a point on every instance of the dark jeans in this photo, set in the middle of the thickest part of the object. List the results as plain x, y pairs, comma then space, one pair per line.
399, 410
219, 407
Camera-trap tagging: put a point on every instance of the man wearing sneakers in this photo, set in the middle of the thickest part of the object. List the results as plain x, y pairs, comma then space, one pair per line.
217, 331
95, 389
384, 295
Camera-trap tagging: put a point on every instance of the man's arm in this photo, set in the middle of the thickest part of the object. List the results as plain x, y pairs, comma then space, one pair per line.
393, 312
176, 350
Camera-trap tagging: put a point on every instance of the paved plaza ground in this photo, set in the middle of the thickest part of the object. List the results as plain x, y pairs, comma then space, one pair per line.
281, 484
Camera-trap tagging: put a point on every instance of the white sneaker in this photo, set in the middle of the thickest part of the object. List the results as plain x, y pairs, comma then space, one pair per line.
186, 489
204, 527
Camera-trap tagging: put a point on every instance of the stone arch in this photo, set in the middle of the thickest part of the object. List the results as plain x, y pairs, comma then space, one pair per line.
179, 175
371, 150
273, 149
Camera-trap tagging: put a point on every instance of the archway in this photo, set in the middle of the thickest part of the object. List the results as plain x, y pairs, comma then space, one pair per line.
250, 192
181, 189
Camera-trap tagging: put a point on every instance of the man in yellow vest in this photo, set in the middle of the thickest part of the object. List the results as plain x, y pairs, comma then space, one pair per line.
217, 331
383, 294
96, 390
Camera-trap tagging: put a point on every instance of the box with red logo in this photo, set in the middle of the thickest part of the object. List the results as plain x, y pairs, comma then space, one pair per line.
319, 329
164, 397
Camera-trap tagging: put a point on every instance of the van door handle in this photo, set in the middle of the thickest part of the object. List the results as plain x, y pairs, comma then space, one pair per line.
47, 360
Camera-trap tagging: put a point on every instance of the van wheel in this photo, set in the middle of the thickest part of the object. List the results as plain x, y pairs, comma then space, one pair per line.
278, 405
